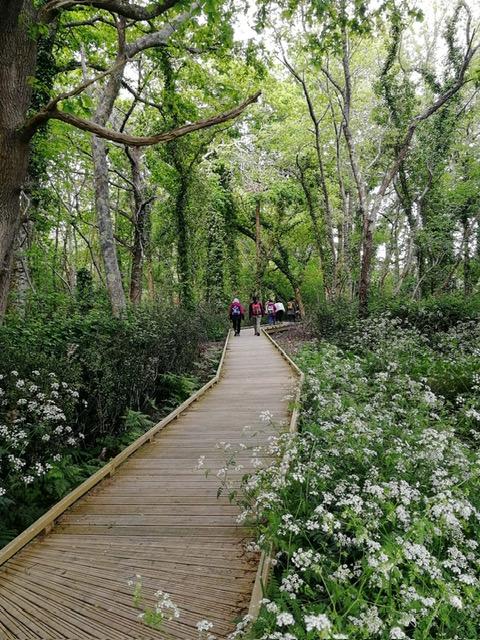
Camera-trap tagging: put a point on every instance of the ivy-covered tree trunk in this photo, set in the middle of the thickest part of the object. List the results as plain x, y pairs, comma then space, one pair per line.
21, 280
18, 50
183, 253
215, 260
232, 258
141, 220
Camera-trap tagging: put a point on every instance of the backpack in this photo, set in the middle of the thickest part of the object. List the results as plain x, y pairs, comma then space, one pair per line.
271, 307
236, 310
256, 309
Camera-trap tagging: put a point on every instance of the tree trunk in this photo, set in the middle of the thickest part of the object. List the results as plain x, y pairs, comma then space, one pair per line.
366, 265
467, 267
21, 281
299, 301
258, 249
326, 277
368, 217
18, 59
108, 247
389, 251
183, 255
141, 218
215, 261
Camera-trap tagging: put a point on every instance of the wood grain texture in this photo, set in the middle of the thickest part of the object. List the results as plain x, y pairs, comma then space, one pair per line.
158, 516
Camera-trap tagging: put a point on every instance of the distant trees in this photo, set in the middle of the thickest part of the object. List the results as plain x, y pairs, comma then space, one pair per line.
357, 175
131, 30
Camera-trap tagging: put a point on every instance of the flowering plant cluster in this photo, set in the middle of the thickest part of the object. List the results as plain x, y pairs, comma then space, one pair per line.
36, 428
373, 509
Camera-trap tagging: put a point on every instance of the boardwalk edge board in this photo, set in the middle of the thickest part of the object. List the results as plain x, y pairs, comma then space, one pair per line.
266, 558
46, 522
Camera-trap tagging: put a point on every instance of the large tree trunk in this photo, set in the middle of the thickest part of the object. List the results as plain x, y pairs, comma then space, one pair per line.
17, 65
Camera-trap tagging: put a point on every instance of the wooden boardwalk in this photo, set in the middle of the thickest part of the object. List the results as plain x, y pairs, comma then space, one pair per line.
158, 516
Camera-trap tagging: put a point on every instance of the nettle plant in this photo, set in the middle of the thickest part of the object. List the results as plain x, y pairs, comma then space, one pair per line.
37, 427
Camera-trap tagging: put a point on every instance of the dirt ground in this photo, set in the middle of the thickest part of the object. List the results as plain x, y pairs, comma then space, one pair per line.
292, 336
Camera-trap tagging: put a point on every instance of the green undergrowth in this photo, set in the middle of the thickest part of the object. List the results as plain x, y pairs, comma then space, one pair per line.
77, 386
373, 508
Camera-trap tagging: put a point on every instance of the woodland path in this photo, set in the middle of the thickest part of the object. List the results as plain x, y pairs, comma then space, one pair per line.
158, 516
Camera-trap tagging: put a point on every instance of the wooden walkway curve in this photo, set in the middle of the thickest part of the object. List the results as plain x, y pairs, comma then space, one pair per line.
158, 516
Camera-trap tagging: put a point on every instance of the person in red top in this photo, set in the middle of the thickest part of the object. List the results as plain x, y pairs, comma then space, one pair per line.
236, 313
255, 313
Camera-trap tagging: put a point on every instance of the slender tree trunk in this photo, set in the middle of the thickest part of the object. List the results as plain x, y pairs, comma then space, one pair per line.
327, 278
347, 242
150, 278
141, 218
467, 267
22, 282
108, 247
388, 259
183, 255
368, 220
328, 213
18, 61
258, 249
113, 276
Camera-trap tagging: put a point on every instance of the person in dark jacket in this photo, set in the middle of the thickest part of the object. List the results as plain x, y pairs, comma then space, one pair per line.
236, 313
255, 313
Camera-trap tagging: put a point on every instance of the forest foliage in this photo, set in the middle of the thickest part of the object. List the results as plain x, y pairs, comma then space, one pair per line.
157, 159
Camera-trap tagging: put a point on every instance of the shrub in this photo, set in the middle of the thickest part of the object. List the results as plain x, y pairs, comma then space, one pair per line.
373, 508
75, 385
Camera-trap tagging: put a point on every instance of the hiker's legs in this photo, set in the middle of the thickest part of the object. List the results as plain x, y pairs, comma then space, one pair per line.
236, 324
256, 324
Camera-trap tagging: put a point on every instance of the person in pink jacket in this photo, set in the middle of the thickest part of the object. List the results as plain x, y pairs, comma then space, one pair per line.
236, 313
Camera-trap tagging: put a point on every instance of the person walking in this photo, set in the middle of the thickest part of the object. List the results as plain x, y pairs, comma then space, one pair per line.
279, 310
236, 313
270, 307
255, 313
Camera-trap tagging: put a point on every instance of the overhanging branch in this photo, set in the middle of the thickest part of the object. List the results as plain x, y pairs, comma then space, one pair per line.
120, 7
140, 141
